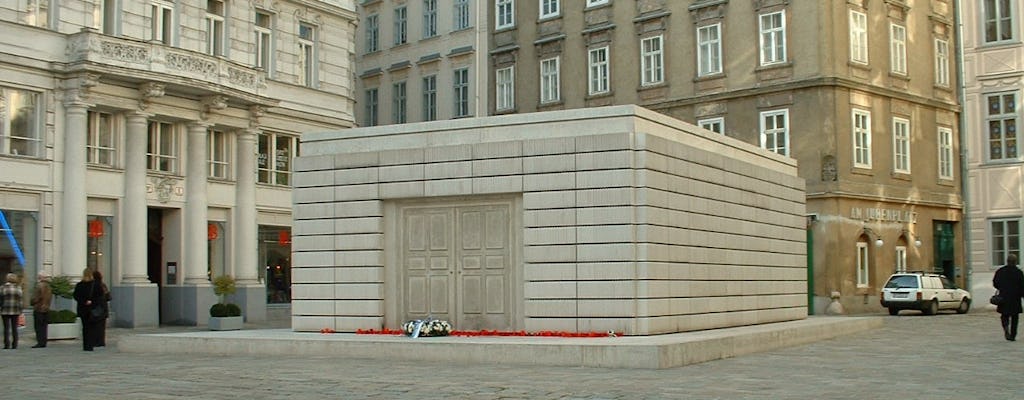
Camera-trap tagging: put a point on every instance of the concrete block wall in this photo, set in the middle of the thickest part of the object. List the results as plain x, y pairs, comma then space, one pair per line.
631, 221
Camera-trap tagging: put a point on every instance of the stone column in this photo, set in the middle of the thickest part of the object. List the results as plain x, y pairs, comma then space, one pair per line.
136, 300
196, 171
251, 294
73, 200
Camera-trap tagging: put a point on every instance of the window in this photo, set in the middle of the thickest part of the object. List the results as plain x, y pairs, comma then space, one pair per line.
898, 48
945, 153
372, 96
863, 269
39, 13
549, 8
429, 18
598, 71
901, 258
275, 252
274, 158
858, 37
398, 103
161, 21
716, 125
215, 27
504, 14
100, 140
162, 148
19, 243
109, 17
549, 80
401, 26
461, 17
1002, 118
430, 98
460, 84
861, 139
264, 40
709, 50
372, 33
591, 3
773, 38
941, 62
504, 88
216, 249
999, 22
307, 55
20, 123
99, 243
218, 148
775, 131
901, 145
651, 61
1005, 239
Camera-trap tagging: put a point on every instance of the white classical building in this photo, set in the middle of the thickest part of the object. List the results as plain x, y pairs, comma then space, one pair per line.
153, 141
994, 84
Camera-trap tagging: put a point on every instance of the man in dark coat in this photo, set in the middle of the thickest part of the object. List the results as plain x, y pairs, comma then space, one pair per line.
1009, 281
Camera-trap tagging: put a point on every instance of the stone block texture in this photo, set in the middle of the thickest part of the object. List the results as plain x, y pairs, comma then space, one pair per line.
628, 221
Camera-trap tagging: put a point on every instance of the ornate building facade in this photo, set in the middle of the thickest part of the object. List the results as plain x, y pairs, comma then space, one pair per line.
994, 80
862, 93
153, 141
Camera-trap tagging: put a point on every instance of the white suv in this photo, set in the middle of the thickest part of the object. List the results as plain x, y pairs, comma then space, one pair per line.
923, 291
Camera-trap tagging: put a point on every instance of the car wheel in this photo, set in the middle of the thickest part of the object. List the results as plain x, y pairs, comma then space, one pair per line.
893, 311
964, 306
931, 308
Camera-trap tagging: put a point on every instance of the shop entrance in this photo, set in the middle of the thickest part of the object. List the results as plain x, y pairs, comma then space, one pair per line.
945, 238
456, 262
154, 251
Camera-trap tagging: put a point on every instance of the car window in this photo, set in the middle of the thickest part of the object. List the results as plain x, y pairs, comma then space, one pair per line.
947, 284
933, 283
902, 282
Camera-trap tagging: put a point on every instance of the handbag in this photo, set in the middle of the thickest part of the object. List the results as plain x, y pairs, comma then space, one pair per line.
98, 310
996, 299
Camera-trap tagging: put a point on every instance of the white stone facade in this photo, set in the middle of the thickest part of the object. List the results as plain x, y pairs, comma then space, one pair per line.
156, 141
613, 218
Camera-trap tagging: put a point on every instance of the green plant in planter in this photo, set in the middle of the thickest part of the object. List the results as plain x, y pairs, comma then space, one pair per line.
223, 286
62, 287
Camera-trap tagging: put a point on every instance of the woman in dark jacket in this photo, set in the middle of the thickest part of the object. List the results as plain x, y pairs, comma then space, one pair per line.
1009, 281
89, 295
101, 337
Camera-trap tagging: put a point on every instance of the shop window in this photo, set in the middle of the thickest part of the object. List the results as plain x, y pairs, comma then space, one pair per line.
216, 250
19, 231
275, 249
100, 245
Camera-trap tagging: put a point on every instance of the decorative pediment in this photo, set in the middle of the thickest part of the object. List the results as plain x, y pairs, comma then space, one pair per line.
708, 10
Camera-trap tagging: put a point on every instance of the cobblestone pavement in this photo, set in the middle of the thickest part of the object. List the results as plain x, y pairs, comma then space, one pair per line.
947, 356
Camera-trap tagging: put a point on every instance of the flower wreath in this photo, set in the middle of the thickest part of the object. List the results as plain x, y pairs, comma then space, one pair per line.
427, 327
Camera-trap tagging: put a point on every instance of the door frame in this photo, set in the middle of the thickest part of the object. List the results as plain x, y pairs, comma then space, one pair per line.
393, 286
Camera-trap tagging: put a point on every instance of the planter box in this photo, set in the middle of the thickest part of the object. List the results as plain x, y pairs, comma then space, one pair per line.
225, 323
64, 331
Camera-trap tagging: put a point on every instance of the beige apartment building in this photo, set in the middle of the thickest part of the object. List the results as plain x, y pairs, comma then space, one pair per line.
420, 61
153, 141
862, 93
994, 78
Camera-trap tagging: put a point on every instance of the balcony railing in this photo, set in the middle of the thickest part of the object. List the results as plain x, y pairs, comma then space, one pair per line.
94, 47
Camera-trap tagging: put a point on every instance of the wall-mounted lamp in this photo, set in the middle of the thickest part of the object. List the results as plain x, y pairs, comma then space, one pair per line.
878, 239
916, 239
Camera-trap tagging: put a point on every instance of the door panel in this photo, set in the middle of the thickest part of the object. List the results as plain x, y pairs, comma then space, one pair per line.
468, 283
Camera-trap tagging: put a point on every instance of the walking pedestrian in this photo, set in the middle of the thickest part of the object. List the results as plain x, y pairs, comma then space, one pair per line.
1009, 281
89, 295
41, 297
11, 309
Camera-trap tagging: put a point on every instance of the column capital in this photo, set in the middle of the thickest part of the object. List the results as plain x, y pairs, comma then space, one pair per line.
149, 91
212, 103
255, 112
77, 90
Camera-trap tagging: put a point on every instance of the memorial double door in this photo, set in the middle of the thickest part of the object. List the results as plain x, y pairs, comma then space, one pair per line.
456, 265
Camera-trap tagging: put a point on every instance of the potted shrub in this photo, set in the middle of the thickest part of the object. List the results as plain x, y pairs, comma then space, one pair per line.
63, 321
224, 316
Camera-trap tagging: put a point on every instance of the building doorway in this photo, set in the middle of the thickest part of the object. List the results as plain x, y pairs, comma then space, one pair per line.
456, 262
154, 251
945, 250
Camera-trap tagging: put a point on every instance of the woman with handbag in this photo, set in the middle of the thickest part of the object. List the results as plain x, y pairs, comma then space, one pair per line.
1009, 281
11, 294
89, 296
101, 336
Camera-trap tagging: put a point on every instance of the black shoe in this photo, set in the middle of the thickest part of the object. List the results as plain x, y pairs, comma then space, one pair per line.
38, 346
89, 349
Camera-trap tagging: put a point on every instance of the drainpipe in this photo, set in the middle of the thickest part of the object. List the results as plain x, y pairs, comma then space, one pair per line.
810, 264
962, 127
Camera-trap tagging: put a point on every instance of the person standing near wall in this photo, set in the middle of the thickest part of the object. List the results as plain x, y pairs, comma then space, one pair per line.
41, 297
11, 309
89, 295
1009, 281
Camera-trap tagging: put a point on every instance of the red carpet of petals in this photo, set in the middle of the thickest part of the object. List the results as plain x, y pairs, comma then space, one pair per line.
497, 333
